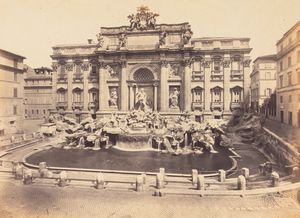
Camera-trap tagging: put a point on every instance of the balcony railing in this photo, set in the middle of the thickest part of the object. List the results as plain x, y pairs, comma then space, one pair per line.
198, 106
77, 105
93, 78
216, 77
236, 105
62, 78
93, 105
198, 75
61, 105
216, 105
236, 75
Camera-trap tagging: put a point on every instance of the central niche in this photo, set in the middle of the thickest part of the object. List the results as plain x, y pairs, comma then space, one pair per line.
143, 89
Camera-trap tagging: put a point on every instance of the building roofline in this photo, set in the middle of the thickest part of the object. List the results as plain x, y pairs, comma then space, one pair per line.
220, 38
288, 32
13, 54
272, 57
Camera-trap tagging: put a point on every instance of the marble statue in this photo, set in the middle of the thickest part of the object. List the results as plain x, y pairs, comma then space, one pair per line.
100, 40
174, 98
141, 99
142, 20
162, 38
187, 35
113, 100
122, 40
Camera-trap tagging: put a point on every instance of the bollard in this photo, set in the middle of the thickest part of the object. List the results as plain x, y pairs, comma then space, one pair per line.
222, 176
275, 179
296, 174
99, 181
14, 166
19, 171
194, 176
139, 183
245, 172
162, 171
43, 169
27, 176
200, 182
12, 138
159, 181
24, 137
144, 178
62, 181
33, 135
241, 183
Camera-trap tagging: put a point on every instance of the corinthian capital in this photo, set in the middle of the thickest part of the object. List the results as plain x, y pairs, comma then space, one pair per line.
164, 63
69, 66
187, 62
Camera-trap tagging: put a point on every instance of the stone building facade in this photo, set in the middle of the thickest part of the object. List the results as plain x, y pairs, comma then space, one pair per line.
288, 77
156, 66
11, 92
38, 99
263, 80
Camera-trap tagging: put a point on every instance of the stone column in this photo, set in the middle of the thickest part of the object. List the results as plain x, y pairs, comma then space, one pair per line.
54, 85
155, 96
69, 69
131, 97
207, 85
226, 85
124, 87
103, 91
187, 85
246, 88
164, 88
85, 89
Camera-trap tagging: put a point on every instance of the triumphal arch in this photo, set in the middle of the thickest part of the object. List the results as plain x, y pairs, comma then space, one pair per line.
150, 66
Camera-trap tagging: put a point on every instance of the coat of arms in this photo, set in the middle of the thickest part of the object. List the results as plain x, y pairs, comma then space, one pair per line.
143, 19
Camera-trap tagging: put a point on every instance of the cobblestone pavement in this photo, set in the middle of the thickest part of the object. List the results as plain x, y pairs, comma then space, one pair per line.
18, 200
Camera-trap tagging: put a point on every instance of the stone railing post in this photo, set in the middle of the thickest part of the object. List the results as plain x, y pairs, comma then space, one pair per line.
43, 169
12, 139
245, 173
144, 178
200, 183
275, 179
241, 183
27, 176
222, 176
62, 181
296, 174
139, 183
99, 183
162, 171
194, 176
24, 137
19, 171
159, 181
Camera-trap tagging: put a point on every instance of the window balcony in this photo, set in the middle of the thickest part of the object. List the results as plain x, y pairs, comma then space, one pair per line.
93, 78
77, 105
62, 78
236, 75
198, 75
61, 105
236, 105
77, 78
216, 105
197, 106
216, 77
93, 105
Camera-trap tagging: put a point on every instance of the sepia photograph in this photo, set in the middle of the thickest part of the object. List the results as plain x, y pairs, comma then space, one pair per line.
148, 108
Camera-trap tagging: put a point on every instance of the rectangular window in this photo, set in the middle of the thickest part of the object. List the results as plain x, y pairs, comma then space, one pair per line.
290, 98
289, 78
281, 81
298, 56
289, 61
15, 110
44, 111
25, 111
235, 65
290, 117
94, 70
15, 76
281, 99
197, 66
15, 92
281, 116
15, 63
281, 66
298, 97
298, 76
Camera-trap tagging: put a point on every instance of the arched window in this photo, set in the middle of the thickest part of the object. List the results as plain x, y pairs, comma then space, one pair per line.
143, 75
61, 95
77, 95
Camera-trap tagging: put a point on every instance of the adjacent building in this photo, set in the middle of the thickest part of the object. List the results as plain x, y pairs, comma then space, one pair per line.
288, 79
38, 99
263, 80
153, 66
11, 92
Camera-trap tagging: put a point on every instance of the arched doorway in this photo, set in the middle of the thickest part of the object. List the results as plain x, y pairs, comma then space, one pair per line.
143, 90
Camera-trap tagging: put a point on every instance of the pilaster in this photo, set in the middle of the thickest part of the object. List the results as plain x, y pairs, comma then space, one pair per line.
207, 85
187, 85
124, 87
164, 89
226, 85
103, 89
70, 69
85, 89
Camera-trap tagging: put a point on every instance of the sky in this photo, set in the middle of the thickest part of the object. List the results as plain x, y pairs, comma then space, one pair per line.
31, 27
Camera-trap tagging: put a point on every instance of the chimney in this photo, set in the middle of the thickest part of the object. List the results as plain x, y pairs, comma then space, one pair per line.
90, 41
